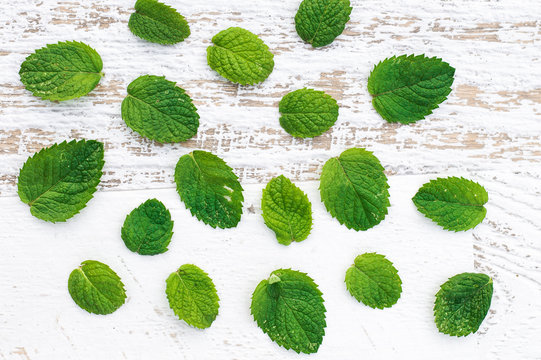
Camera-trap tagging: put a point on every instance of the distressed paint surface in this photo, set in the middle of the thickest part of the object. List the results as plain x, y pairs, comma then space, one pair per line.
488, 130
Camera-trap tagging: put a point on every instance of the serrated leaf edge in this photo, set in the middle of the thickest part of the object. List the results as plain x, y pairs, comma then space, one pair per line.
236, 177
316, 286
395, 272
386, 190
80, 269
91, 193
490, 281
163, 23
243, 83
174, 84
320, 92
217, 302
75, 43
445, 227
311, 41
394, 57
305, 196
165, 248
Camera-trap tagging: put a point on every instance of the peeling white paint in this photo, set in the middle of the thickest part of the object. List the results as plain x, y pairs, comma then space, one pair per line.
488, 130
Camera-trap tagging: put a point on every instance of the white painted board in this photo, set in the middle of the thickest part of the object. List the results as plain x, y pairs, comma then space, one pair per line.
488, 130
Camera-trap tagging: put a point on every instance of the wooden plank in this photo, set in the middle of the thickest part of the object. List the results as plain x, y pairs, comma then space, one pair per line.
488, 130
35, 301
242, 122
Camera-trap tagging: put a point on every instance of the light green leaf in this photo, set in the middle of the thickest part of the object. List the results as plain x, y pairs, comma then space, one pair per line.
58, 181
192, 296
159, 110
407, 88
454, 203
96, 288
354, 187
374, 281
289, 308
307, 112
209, 188
159, 23
148, 229
462, 303
240, 56
319, 22
286, 210
62, 71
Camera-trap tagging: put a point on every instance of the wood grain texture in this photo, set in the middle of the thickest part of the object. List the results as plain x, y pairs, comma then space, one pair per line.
488, 130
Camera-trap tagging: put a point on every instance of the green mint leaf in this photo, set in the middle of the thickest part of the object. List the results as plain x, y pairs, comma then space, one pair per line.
354, 187
210, 189
192, 296
158, 23
454, 203
58, 181
286, 210
62, 71
407, 88
159, 110
240, 56
319, 22
374, 281
96, 288
462, 303
289, 308
148, 229
307, 112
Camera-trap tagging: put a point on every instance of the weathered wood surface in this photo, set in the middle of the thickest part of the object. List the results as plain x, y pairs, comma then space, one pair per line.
488, 130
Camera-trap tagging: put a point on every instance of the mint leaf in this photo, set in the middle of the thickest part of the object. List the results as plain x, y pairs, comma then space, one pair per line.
289, 308
307, 112
462, 303
209, 188
319, 22
354, 187
454, 203
286, 210
407, 88
148, 229
240, 56
159, 23
58, 181
192, 296
374, 281
159, 110
96, 288
62, 71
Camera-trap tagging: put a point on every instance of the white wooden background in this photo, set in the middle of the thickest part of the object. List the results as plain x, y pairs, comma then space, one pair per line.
488, 130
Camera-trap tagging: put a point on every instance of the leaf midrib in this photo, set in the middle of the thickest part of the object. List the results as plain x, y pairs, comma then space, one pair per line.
30, 203
144, 102
372, 280
308, 113
288, 221
452, 203
67, 71
196, 164
405, 86
468, 298
161, 112
193, 299
362, 199
297, 320
240, 56
321, 20
94, 286
158, 21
